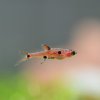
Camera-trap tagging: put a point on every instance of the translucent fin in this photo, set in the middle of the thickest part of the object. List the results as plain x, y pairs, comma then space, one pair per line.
46, 47
24, 52
43, 61
23, 59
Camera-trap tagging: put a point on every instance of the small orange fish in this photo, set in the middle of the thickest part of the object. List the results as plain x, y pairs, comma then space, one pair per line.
50, 53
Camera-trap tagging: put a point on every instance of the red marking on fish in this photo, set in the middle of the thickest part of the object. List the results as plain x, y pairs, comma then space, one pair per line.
50, 53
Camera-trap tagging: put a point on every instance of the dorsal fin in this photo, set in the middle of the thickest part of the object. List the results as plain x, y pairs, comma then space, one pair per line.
46, 47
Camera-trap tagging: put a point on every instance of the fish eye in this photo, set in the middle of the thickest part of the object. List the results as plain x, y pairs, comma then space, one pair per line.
73, 52
59, 52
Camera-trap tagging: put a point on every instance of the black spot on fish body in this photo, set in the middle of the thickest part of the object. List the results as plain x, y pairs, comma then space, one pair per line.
59, 52
28, 56
45, 57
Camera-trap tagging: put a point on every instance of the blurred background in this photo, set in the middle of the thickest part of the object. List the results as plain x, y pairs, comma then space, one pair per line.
69, 24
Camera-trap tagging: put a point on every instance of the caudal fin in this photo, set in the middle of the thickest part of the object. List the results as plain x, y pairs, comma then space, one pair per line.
24, 52
25, 58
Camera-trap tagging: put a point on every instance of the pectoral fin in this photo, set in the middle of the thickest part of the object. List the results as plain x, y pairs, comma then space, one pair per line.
46, 47
44, 59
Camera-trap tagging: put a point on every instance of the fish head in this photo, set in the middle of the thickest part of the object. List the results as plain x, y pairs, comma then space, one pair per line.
70, 53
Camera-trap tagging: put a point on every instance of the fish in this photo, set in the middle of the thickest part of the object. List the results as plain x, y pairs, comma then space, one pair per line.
49, 53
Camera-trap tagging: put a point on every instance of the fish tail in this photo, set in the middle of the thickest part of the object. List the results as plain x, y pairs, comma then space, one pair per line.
25, 58
24, 52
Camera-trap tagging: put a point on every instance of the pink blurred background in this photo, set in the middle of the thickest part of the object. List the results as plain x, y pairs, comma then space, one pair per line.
81, 72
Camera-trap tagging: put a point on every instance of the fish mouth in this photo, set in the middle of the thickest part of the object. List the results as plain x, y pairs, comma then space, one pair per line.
74, 52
